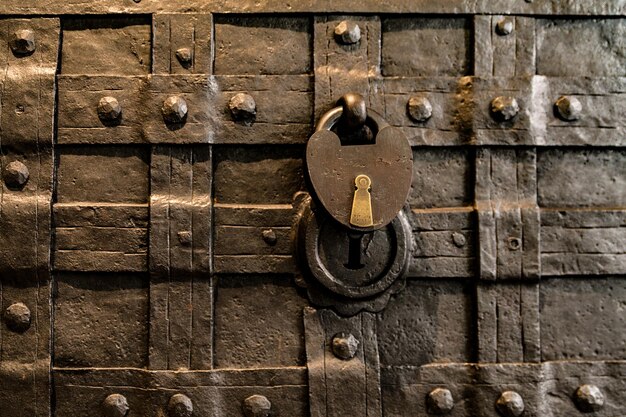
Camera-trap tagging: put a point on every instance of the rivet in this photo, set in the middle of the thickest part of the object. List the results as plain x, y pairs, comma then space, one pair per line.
439, 401
109, 109
510, 404
115, 405
184, 56
15, 175
243, 108
269, 237
514, 243
180, 406
174, 109
347, 33
504, 27
459, 239
17, 317
185, 237
257, 406
22, 42
568, 108
344, 346
589, 398
504, 108
419, 108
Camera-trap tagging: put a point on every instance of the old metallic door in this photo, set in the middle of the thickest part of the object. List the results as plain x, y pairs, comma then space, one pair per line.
153, 181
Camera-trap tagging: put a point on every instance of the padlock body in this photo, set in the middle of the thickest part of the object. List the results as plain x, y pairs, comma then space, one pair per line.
333, 167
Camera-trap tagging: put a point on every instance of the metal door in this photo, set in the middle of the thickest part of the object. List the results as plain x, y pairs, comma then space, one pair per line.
152, 161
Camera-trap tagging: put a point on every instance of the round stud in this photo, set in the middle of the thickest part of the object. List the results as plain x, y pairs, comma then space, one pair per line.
15, 174
439, 401
589, 398
22, 42
180, 406
344, 346
459, 239
109, 109
568, 108
515, 243
504, 108
185, 237
347, 33
419, 109
185, 57
115, 405
510, 404
243, 108
174, 109
17, 317
504, 27
257, 406
269, 237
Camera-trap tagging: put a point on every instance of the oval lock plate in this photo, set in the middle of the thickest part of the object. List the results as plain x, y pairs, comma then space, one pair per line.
333, 168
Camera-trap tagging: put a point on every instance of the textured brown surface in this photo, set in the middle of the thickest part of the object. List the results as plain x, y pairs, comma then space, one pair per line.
144, 256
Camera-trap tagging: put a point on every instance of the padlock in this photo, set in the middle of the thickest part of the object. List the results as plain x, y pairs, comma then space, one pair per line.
362, 186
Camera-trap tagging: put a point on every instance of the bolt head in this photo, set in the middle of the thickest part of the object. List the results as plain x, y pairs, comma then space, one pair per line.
17, 317
257, 406
568, 108
504, 27
589, 398
269, 237
243, 108
180, 406
439, 401
174, 109
419, 109
185, 237
15, 174
504, 108
459, 239
115, 405
347, 33
344, 346
515, 243
22, 42
184, 56
109, 109
510, 404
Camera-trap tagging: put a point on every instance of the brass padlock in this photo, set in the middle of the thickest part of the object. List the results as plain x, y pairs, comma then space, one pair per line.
362, 186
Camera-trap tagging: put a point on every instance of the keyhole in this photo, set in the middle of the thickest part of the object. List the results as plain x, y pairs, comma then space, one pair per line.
354, 251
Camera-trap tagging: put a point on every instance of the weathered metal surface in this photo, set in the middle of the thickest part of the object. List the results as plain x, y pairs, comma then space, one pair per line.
153, 206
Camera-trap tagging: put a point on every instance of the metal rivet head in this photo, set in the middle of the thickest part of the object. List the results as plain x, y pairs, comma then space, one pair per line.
184, 56
515, 243
504, 27
180, 406
269, 237
174, 109
17, 317
439, 401
510, 404
185, 237
589, 398
115, 405
459, 239
419, 108
347, 33
22, 42
344, 346
504, 108
568, 108
243, 108
15, 174
257, 406
109, 109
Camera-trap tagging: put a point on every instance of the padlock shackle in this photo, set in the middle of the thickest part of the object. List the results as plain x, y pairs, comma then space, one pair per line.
330, 118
